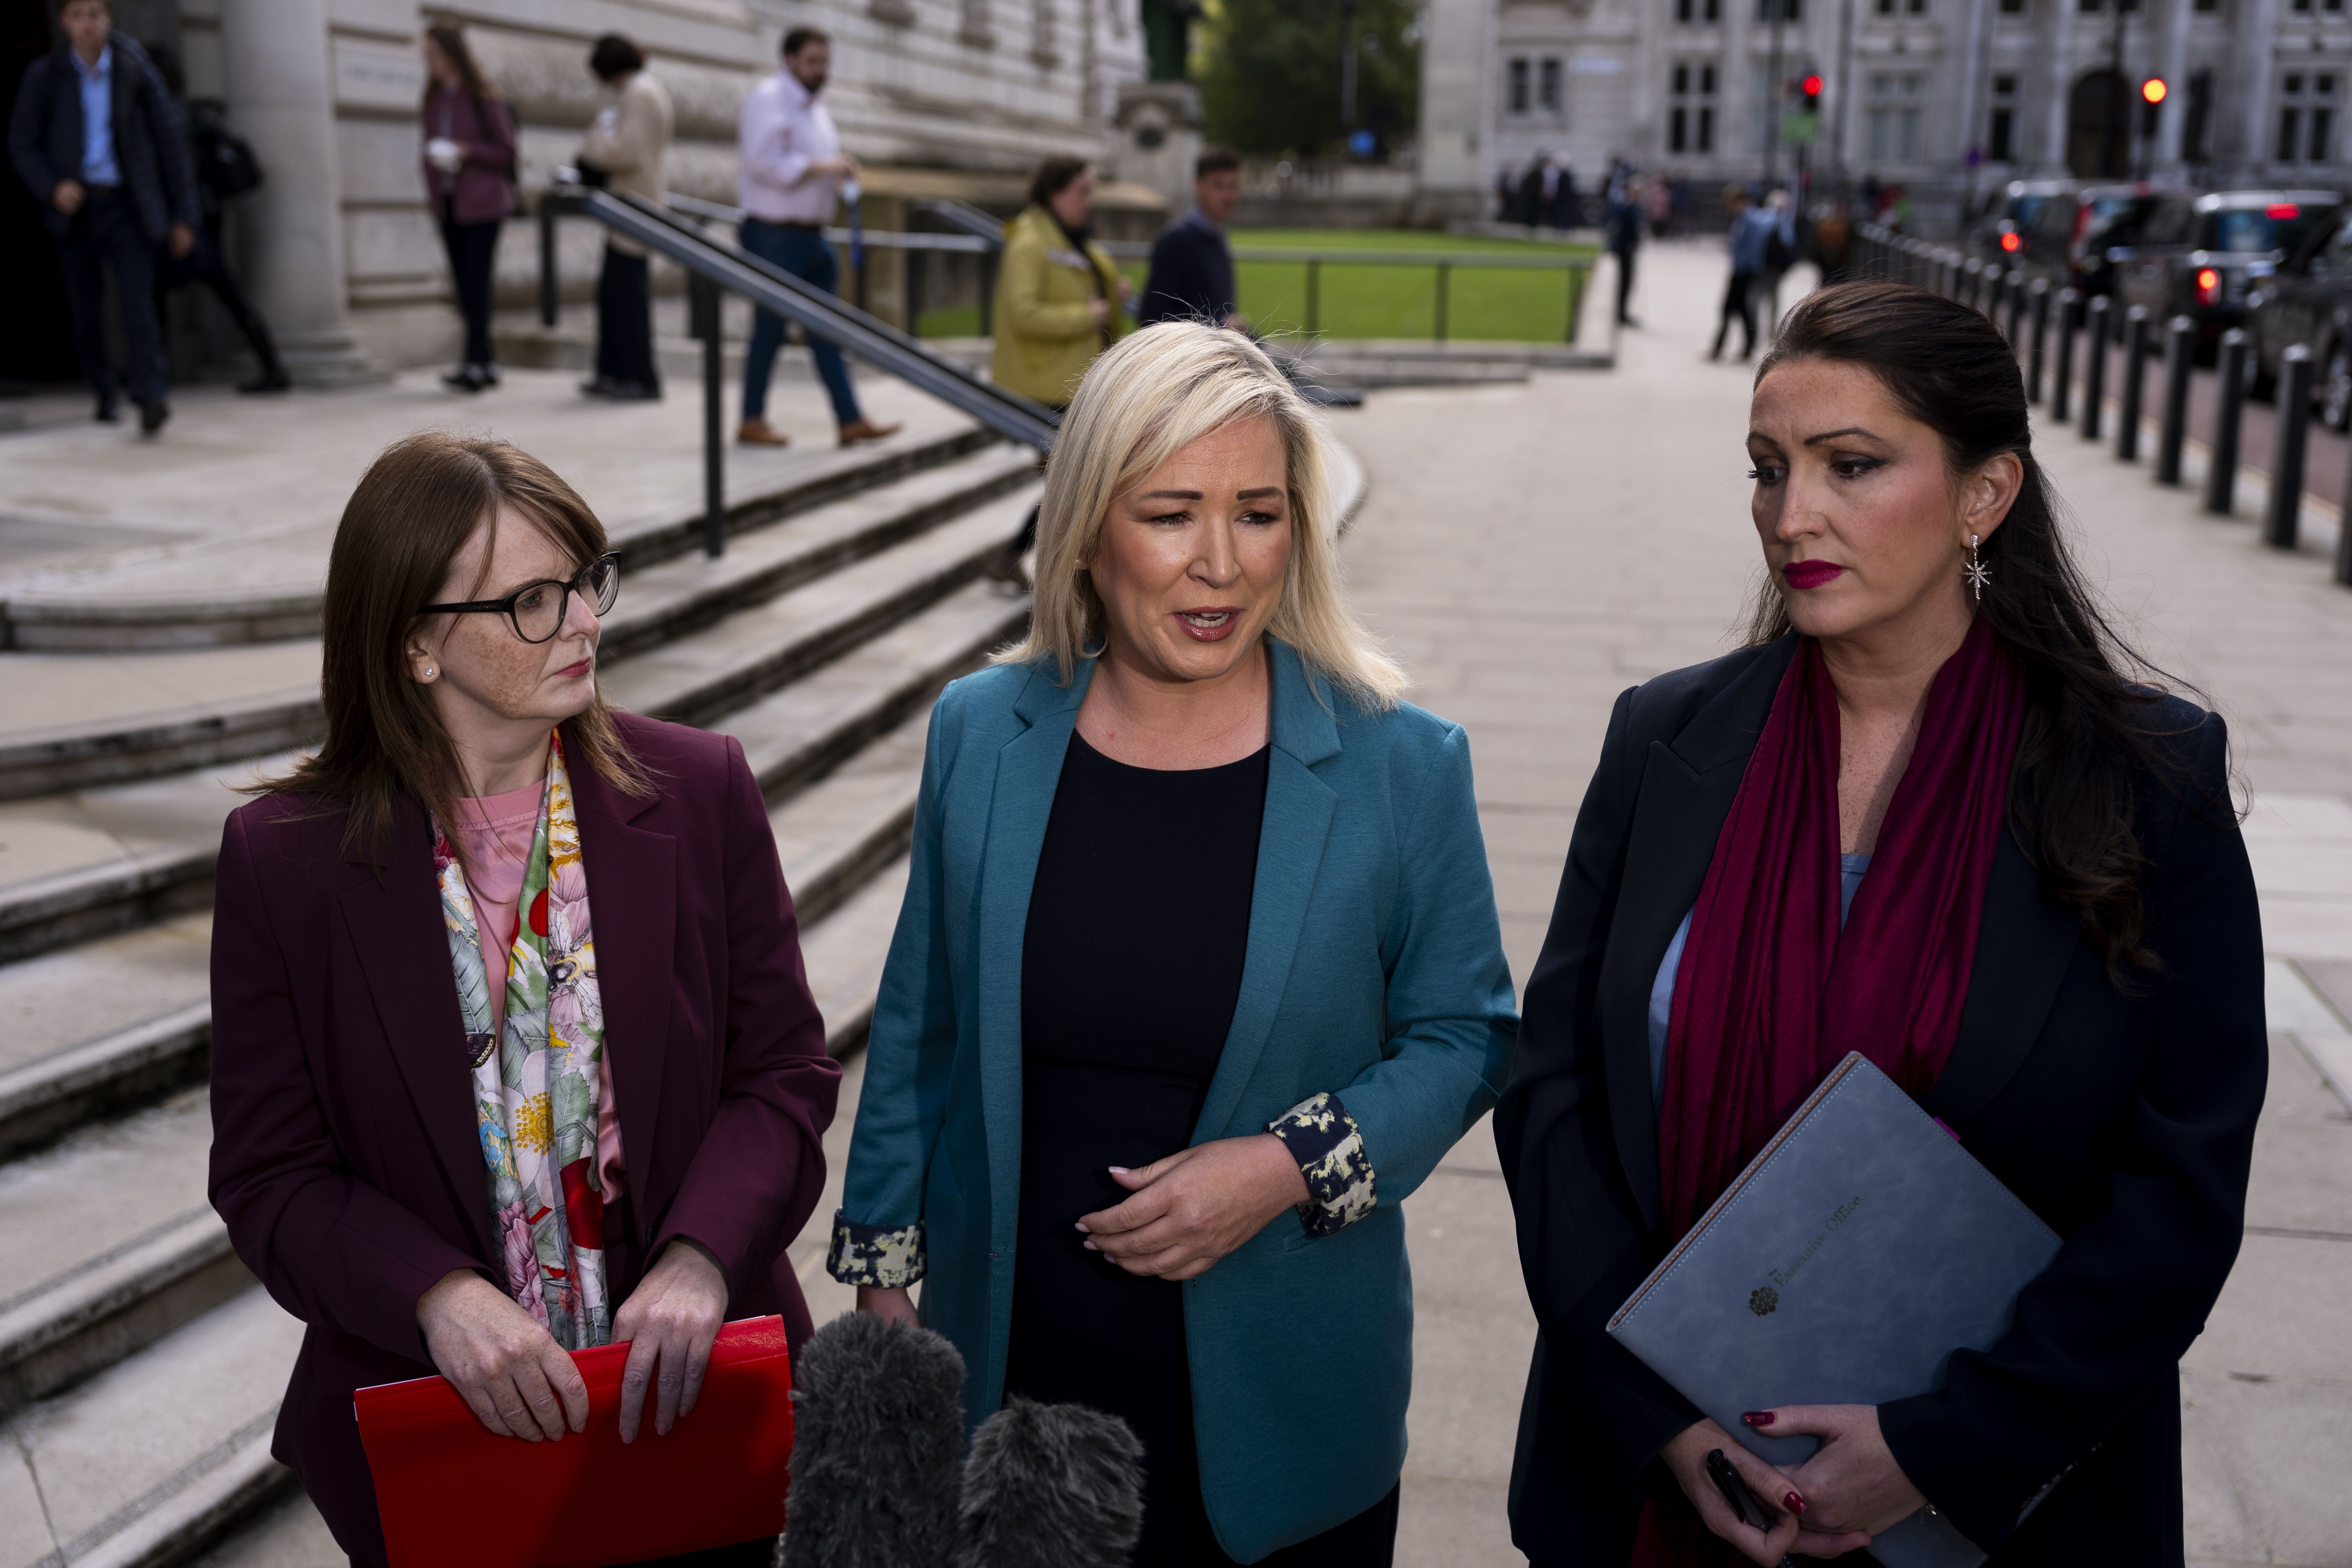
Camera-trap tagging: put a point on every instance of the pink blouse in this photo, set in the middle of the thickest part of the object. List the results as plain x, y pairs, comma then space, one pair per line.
497, 831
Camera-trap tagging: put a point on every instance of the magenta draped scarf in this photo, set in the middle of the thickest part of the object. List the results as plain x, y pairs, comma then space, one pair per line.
1771, 994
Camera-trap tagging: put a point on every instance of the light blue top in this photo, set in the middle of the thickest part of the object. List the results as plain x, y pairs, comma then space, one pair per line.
1753, 232
1661, 989
1374, 971
98, 166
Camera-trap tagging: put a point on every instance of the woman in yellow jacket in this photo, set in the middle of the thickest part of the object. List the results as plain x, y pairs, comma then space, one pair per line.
1059, 302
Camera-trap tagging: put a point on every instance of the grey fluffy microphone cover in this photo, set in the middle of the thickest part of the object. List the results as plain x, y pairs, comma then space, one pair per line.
1051, 1486
877, 1437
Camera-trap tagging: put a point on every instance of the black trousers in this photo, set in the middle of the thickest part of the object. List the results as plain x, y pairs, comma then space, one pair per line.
204, 265
1624, 283
1738, 302
624, 321
106, 235
473, 258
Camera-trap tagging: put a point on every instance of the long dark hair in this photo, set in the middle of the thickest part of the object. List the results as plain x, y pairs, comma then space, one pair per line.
413, 510
451, 39
2090, 696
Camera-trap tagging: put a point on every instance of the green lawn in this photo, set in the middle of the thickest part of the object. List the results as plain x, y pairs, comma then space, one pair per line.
1378, 301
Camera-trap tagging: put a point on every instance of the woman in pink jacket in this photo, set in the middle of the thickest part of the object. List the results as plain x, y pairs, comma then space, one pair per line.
469, 175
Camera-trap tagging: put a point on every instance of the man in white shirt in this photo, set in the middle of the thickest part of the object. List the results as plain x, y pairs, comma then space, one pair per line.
793, 166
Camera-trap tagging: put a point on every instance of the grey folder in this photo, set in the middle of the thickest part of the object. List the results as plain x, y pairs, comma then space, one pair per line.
1851, 1258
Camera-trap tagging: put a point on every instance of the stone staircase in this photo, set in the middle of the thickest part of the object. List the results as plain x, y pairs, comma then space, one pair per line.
139, 1366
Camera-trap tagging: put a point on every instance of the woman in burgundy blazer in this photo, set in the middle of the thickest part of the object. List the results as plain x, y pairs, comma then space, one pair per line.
346, 1157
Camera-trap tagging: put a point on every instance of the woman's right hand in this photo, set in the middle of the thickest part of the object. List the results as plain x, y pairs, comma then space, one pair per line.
1101, 310
892, 1304
511, 1372
1686, 1457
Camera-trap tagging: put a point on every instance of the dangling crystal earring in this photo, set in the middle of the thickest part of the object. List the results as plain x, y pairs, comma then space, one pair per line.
1975, 571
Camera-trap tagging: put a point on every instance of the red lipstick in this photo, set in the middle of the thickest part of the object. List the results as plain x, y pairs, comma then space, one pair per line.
1213, 624
1810, 573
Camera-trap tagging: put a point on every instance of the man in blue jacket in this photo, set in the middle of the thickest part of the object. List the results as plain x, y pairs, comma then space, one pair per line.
1192, 277
95, 140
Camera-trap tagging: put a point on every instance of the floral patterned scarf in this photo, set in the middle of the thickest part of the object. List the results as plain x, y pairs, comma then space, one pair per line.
536, 1089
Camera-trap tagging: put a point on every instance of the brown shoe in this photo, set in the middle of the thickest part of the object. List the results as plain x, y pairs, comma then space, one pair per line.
759, 433
859, 430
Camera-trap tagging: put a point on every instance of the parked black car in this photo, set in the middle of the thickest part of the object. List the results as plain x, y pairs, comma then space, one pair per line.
2102, 221
2012, 229
2202, 255
2308, 300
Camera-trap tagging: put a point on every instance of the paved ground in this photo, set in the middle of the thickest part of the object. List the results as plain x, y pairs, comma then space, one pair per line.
1532, 550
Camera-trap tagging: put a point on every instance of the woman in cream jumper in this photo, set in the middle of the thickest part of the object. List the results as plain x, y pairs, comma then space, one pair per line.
626, 146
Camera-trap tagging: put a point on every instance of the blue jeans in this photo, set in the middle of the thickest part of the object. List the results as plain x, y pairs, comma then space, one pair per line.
804, 253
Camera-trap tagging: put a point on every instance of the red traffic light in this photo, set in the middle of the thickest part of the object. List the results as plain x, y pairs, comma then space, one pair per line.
2011, 243
2153, 90
1812, 85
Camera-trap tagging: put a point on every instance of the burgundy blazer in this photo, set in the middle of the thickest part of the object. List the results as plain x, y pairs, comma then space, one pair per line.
345, 1157
483, 186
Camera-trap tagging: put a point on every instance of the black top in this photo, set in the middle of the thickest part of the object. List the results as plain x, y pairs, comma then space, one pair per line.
2125, 1121
1192, 277
1130, 968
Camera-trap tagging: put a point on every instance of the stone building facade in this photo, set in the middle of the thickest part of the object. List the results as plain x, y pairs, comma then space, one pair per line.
939, 98
1946, 97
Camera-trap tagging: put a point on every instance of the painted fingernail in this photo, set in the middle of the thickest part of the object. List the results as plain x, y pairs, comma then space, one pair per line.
1082, 1228
1794, 1503
1092, 1248
1118, 1170
1757, 1417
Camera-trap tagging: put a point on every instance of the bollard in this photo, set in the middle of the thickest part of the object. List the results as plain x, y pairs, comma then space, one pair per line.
2221, 479
2288, 448
2136, 341
2041, 291
2179, 361
2061, 375
2344, 534
2095, 372
2016, 283
1994, 278
1948, 267
1972, 283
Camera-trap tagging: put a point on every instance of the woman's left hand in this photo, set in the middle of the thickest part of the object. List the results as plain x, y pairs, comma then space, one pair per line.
1852, 1482
1196, 1206
670, 1320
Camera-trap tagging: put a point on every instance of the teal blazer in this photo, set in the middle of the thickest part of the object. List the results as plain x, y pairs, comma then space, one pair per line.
1374, 972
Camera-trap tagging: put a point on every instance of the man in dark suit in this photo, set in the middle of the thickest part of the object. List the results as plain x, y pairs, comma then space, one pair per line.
96, 139
1192, 277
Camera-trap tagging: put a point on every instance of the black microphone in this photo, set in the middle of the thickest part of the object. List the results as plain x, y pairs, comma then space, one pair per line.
1051, 1486
877, 1442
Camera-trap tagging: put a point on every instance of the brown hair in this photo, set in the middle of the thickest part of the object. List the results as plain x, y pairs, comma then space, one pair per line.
451, 39
2090, 722
1215, 161
413, 510
1054, 176
800, 38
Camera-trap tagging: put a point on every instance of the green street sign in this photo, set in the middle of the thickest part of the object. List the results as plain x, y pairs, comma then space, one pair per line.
1798, 128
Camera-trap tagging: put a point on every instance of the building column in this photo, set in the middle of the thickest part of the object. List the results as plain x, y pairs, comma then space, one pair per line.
2059, 82
281, 89
2253, 50
2172, 65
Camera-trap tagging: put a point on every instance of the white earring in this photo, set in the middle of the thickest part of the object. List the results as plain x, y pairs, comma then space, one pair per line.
1975, 571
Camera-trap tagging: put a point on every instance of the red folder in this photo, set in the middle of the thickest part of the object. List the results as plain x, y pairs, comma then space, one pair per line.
450, 1492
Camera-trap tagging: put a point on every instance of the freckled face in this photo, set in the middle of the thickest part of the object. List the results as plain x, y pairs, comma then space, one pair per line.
1191, 562
1861, 521
484, 673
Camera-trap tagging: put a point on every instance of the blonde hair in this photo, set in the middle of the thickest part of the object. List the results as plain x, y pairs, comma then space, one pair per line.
1147, 398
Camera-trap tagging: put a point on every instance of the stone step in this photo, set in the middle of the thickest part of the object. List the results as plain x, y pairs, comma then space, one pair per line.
95, 718
698, 679
82, 865
263, 589
159, 1455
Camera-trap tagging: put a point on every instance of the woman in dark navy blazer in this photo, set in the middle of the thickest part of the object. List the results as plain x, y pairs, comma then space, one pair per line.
2018, 887
619, 1145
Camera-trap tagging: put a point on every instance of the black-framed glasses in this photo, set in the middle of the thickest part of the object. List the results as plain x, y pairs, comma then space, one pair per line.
536, 610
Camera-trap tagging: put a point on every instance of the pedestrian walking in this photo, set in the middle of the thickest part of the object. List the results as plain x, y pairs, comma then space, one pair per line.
1623, 227
224, 168
422, 1146
1132, 1145
470, 173
626, 146
1936, 811
1753, 231
793, 170
1060, 302
1191, 275
95, 140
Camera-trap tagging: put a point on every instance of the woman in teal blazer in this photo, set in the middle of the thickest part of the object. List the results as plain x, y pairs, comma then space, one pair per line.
1184, 868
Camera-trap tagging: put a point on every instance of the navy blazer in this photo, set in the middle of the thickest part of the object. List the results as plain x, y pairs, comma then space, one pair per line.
2125, 1121
150, 145
345, 1156
1374, 972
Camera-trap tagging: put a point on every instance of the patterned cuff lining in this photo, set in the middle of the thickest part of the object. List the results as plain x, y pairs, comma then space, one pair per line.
1329, 1149
886, 1257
